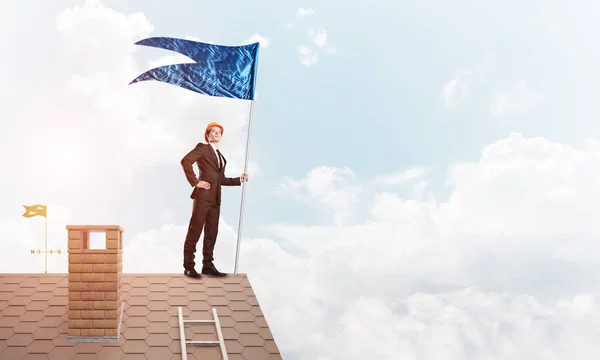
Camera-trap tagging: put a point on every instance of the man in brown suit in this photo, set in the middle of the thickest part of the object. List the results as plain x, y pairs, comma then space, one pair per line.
207, 199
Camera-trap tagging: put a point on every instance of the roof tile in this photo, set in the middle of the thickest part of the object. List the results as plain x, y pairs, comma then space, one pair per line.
51, 321
19, 300
9, 321
37, 305
158, 288
265, 333
19, 340
199, 306
158, 340
158, 296
196, 287
56, 310
158, 279
138, 291
217, 300
134, 357
14, 352
213, 282
157, 316
243, 316
25, 327
34, 319
246, 328
175, 346
229, 333
137, 310
32, 282
233, 347
252, 300
13, 311
236, 296
251, 340
136, 334
86, 357
19, 290
135, 347
158, 353
138, 321
178, 301
215, 291
45, 333
140, 282
177, 291
255, 353
198, 296
87, 348
39, 315
43, 296
63, 353
40, 347
176, 282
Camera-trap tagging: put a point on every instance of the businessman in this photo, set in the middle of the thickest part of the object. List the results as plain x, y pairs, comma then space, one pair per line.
207, 199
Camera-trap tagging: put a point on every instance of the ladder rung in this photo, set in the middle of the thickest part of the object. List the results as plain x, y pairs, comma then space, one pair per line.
184, 342
198, 321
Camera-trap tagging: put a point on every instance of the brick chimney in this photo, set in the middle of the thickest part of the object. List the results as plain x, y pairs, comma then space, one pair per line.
95, 302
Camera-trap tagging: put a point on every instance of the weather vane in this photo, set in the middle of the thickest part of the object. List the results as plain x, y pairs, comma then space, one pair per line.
40, 210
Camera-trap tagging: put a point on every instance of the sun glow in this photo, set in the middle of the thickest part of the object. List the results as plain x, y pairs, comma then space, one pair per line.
63, 157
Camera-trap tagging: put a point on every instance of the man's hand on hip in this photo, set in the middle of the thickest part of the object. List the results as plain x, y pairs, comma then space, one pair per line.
244, 177
203, 185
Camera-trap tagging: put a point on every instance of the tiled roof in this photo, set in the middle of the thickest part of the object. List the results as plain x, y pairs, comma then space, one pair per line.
34, 319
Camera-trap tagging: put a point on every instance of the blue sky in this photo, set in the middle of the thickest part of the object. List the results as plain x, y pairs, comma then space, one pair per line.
420, 175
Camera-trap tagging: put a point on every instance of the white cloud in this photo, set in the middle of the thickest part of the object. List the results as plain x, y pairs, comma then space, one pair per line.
493, 272
464, 81
401, 177
326, 188
305, 12
307, 56
454, 89
515, 101
264, 42
330, 51
319, 37
506, 267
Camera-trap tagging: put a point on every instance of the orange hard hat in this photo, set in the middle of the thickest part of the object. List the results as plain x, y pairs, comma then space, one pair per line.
210, 126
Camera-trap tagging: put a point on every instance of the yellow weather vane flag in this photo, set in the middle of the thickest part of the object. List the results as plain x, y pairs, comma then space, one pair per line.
34, 210
39, 210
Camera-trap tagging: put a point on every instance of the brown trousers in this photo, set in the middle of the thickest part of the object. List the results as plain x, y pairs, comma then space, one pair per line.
204, 215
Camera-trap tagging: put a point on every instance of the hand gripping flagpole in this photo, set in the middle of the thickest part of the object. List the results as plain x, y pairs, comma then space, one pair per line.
240, 223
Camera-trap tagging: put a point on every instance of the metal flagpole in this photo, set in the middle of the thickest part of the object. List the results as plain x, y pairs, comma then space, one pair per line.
46, 254
239, 235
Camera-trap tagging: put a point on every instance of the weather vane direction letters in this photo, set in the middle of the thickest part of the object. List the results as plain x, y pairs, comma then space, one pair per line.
40, 210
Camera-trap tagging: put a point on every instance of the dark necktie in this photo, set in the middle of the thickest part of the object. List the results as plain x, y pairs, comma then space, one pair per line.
219, 159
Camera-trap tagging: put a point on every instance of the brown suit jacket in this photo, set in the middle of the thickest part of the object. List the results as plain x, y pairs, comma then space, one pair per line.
208, 166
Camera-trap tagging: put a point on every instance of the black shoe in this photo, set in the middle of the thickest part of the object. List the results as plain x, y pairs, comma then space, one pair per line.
211, 270
191, 273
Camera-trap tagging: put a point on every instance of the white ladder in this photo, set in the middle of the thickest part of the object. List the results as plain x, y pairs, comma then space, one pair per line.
215, 321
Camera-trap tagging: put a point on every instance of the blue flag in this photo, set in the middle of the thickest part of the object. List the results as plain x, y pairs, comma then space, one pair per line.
224, 71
